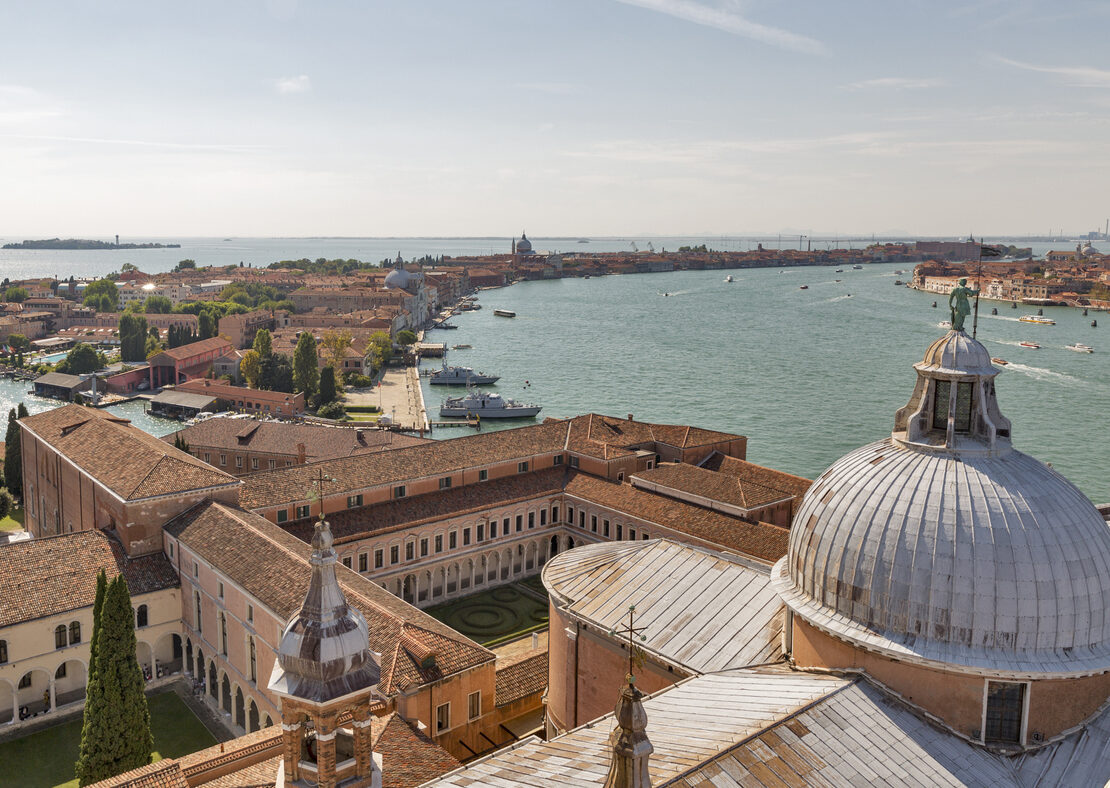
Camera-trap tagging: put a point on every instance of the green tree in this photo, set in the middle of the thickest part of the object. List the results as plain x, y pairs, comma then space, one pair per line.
263, 344
185, 264
206, 323
19, 342
179, 442
15, 294
115, 735
102, 295
406, 338
327, 392
158, 304
306, 367
333, 410
277, 373
380, 349
7, 503
132, 337
335, 343
13, 456
81, 360
250, 367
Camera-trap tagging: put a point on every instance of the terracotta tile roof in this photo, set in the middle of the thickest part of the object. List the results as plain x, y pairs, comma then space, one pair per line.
401, 513
271, 488
607, 437
54, 574
186, 352
735, 490
520, 676
161, 774
258, 775
759, 474
272, 566
760, 540
124, 459
409, 758
320, 442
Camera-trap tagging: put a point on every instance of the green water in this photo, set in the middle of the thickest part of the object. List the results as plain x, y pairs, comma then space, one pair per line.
807, 375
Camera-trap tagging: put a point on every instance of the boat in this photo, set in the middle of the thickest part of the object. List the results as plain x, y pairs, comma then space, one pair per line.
840, 270
898, 283
1040, 321
1079, 347
857, 267
461, 347
487, 406
460, 376
804, 287
1003, 362
900, 271
1031, 345
728, 278
504, 313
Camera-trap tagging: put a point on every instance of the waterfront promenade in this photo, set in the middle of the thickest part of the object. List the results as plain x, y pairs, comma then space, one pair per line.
398, 396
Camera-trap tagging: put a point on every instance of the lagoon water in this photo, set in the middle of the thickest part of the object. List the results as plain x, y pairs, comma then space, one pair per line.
807, 375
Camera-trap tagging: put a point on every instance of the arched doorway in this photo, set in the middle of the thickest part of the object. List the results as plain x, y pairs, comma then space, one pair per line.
240, 708
213, 686
167, 654
554, 546
225, 694
33, 692
252, 717
570, 542
145, 654
408, 590
7, 701
69, 682
189, 656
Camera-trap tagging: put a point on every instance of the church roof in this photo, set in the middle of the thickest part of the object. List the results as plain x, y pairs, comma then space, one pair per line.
702, 610
125, 460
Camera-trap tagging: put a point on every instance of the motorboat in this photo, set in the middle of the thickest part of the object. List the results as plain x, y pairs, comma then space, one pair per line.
857, 267
1079, 347
504, 313
898, 283
1030, 345
1040, 321
461, 347
1000, 361
728, 278
840, 270
804, 287
900, 271
487, 406
460, 376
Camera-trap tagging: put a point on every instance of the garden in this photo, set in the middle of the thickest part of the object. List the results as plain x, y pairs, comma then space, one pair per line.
497, 615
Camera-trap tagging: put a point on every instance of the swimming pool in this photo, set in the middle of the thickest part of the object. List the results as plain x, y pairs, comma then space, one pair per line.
54, 358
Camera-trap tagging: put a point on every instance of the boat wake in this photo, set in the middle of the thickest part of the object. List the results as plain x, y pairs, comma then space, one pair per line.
1010, 342
1039, 373
834, 299
1001, 317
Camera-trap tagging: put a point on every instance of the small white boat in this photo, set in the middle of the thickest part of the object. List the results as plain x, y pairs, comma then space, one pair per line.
1079, 347
1040, 321
1030, 345
486, 406
728, 278
804, 287
857, 267
504, 313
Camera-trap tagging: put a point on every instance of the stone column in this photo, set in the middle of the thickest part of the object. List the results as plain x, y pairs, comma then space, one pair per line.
53, 695
291, 734
364, 749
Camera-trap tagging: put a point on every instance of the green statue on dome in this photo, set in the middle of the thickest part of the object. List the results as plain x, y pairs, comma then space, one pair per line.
958, 303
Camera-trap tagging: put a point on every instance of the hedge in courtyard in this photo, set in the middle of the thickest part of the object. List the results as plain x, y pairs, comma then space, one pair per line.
115, 736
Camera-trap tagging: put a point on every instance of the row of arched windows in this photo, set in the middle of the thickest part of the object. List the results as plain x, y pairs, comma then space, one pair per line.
67, 636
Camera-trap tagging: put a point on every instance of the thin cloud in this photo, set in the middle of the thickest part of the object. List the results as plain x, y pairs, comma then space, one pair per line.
730, 22
21, 104
185, 146
893, 83
298, 84
1079, 76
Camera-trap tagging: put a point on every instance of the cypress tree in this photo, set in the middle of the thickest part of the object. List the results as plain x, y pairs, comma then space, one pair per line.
306, 369
13, 457
327, 386
92, 686
116, 734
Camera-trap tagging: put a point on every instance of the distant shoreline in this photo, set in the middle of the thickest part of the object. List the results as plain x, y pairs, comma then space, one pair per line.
83, 244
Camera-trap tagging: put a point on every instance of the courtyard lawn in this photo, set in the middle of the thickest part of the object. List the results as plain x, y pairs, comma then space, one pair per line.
496, 615
14, 520
45, 759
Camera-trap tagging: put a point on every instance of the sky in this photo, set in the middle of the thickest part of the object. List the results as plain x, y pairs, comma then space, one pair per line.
559, 117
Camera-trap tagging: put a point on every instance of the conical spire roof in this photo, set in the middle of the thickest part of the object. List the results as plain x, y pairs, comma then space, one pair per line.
631, 748
325, 648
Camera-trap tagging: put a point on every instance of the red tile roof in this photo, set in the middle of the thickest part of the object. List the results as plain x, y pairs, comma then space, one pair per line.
520, 676
55, 574
131, 463
409, 758
160, 774
741, 489
186, 352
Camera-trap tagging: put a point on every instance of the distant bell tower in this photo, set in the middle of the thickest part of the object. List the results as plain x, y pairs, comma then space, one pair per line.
117, 239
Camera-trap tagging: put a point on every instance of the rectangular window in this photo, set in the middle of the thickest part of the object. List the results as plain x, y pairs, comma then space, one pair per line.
554, 514
620, 531
221, 591
1005, 705
273, 464
620, 476
466, 537
581, 519
439, 543
558, 460
354, 501
631, 533
483, 474
505, 527
445, 482
394, 554
171, 549
347, 562
423, 547
238, 462
474, 705
206, 457
519, 523
250, 613
363, 562
379, 558
283, 515
644, 536
254, 463
570, 515
522, 467
223, 460
452, 540
304, 511
410, 551
573, 461
399, 491
196, 569
3, 652
605, 524
593, 523
543, 516
940, 404
963, 407
492, 529
443, 717
531, 519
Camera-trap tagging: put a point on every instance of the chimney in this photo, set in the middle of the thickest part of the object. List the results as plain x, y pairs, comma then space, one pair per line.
300, 454
629, 743
630, 417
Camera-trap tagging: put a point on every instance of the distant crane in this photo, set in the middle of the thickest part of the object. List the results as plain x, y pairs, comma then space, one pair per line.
650, 247
633, 244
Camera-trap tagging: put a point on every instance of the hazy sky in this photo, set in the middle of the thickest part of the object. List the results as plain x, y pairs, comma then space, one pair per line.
561, 117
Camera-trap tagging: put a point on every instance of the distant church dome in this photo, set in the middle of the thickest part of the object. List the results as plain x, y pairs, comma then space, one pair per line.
398, 278
523, 246
943, 545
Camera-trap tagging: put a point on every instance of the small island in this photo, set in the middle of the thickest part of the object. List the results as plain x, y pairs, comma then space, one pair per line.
84, 243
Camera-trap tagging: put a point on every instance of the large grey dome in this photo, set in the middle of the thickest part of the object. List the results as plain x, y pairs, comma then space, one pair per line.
956, 550
398, 279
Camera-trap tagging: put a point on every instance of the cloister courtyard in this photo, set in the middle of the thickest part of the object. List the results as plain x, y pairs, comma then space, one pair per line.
497, 615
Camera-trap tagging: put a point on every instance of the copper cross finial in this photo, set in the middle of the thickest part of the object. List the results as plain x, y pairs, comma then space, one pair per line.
317, 491
635, 654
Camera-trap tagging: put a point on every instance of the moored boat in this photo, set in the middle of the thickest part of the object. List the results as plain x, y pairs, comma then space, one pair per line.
1079, 347
460, 376
486, 406
504, 313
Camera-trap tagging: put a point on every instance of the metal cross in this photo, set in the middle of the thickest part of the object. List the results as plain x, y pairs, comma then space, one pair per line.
317, 491
635, 653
